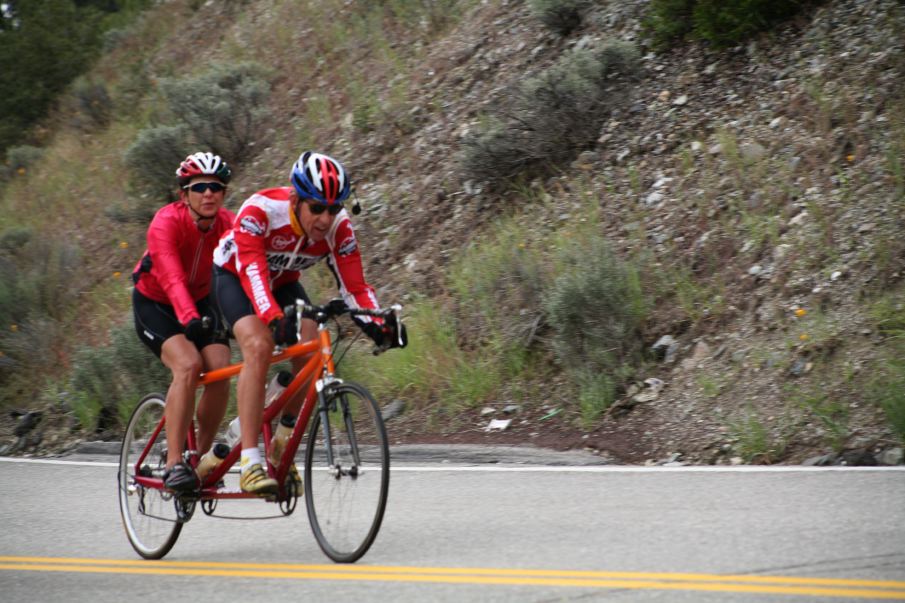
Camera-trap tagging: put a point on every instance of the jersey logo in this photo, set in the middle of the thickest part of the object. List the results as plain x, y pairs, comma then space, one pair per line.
347, 246
280, 242
257, 287
251, 225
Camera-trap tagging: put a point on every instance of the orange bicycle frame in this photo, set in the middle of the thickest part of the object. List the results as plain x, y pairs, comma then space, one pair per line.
321, 360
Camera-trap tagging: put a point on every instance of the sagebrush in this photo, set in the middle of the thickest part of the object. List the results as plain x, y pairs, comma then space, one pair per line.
552, 116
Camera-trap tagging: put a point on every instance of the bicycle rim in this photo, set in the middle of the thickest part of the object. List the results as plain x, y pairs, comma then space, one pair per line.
346, 499
149, 515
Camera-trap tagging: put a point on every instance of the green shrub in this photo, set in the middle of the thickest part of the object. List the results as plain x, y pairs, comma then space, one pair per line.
47, 45
668, 21
560, 16
720, 22
107, 381
22, 157
92, 104
753, 440
152, 161
596, 308
888, 315
596, 393
500, 286
886, 389
223, 108
552, 117
431, 368
889, 394
37, 276
38, 282
727, 23
496, 153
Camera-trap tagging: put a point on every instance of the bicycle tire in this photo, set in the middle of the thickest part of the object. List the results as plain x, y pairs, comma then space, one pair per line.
346, 500
149, 515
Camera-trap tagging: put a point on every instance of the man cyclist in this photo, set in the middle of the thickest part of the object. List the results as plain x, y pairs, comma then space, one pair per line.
279, 232
173, 315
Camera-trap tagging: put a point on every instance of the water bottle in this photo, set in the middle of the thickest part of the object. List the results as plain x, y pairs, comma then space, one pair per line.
280, 437
211, 459
233, 432
276, 387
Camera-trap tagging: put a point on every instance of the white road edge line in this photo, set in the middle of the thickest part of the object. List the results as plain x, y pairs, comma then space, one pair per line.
550, 468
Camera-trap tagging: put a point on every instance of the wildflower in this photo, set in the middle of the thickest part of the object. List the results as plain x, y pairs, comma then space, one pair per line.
800, 312
123, 245
803, 337
21, 171
13, 328
117, 274
850, 158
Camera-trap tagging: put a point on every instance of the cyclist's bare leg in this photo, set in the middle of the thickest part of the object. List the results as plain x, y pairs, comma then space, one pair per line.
185, 362
309, 332
212, 405
256, 343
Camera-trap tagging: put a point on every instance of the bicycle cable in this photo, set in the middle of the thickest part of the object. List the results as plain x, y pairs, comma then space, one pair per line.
340, 337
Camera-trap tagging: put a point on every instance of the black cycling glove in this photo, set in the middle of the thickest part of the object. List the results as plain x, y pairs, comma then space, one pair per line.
196, 331
386, 335
284, 329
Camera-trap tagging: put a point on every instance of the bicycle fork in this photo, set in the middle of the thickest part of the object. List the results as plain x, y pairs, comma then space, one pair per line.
335, 468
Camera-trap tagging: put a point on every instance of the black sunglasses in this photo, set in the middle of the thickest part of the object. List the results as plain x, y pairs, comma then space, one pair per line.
200, 187
319, 208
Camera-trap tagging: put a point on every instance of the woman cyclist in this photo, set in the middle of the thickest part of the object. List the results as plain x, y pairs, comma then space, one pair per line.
173, 316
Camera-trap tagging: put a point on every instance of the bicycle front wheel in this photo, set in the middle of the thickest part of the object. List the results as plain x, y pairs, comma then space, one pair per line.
149, 515
347, 473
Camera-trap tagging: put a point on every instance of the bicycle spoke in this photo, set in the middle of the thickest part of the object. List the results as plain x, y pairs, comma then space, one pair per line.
150, 516
346, 498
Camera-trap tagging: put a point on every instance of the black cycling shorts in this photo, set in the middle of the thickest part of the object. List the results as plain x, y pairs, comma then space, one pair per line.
156, 322
229, 298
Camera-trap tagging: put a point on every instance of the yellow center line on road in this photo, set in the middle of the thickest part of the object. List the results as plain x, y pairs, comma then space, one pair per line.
789, 585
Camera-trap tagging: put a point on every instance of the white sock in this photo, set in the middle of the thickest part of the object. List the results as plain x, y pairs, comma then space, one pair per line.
250, 456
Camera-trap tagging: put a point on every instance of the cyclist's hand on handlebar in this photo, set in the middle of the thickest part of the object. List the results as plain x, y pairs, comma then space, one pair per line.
197, 330
387, 335
337, 306
285, 329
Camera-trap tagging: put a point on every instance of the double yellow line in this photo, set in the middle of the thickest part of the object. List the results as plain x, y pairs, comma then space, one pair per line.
784, 585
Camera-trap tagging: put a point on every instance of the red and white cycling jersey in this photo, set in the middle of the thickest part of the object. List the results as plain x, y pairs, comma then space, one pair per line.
176, 267
267, 248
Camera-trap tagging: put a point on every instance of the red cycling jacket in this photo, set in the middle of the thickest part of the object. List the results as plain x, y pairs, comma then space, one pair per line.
267, 248
176, 267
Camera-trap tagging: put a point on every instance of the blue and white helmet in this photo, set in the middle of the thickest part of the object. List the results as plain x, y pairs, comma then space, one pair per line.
321, 178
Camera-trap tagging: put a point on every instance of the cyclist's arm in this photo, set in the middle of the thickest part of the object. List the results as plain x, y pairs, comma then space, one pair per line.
345, 262
166, 261
250, 233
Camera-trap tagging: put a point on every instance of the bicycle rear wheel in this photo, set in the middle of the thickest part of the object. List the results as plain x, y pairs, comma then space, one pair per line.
149, 515
346, 496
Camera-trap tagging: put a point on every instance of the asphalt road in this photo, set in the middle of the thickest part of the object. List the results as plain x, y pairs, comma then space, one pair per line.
457, 531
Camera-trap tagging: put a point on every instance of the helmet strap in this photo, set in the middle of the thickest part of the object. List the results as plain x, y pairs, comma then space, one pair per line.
199, 218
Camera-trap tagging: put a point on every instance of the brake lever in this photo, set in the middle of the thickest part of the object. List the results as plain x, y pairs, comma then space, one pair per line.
396, 314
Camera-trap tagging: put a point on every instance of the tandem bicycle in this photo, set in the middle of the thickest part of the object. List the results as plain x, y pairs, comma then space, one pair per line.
346, 463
